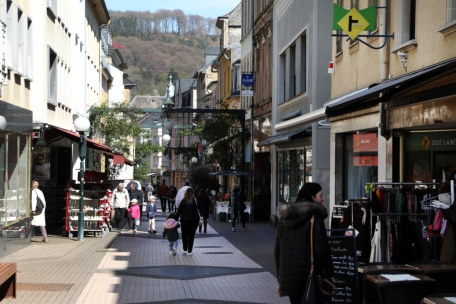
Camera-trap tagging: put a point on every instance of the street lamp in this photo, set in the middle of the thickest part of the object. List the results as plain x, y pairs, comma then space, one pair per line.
2, 123
81, 124
194, 160
165, 139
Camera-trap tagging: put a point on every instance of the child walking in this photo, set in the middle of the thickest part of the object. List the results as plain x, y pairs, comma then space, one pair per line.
151, 211
135, 213
170, 230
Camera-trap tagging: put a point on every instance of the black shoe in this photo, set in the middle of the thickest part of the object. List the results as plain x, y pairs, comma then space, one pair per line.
154, 232
150, 232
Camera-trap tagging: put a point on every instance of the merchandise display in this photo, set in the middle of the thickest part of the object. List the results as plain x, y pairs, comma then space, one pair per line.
97, 210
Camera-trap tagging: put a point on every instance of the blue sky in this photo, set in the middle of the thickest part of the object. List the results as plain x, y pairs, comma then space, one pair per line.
205, 8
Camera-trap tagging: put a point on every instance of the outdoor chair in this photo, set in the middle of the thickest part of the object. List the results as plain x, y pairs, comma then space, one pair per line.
249, 210
221, 207
445, 278
370, 292
400, 292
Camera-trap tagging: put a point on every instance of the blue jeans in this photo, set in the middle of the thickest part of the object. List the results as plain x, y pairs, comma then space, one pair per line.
173, 245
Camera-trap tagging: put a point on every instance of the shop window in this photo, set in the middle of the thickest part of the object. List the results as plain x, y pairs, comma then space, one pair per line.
430, 157
295, 169
361, 163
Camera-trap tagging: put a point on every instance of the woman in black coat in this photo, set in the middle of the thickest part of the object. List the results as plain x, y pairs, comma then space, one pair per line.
204, 203
292, 245
189, 217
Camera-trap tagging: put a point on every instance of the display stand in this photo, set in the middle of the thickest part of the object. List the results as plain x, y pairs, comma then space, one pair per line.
97, 210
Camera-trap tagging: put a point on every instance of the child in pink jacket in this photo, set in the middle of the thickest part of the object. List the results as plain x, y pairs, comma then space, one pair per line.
135, 213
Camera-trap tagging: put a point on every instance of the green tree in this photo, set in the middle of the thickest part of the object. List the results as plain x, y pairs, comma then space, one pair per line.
118, 126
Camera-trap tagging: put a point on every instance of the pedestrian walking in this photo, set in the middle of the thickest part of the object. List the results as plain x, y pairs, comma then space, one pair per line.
189, 217
170, 231
238, 207
172, 192
149, 191
120, 201
180, 193
204, 203
135, 214
135, 193
292, 250
151, 210
163, 195
39, 220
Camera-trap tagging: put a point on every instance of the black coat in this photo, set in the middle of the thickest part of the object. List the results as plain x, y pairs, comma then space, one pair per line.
292, 245
238, 201
204, 203
136, 194
187, 211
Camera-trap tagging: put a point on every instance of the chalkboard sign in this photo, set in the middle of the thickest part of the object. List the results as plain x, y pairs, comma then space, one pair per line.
343, 253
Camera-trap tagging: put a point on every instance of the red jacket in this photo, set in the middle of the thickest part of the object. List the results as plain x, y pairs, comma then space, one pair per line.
163, 190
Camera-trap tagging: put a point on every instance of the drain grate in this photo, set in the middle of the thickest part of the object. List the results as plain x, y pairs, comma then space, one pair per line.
207, 246
44, 287
220, 252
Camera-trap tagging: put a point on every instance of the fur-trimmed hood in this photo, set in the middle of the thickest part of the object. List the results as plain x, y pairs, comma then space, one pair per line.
298, 213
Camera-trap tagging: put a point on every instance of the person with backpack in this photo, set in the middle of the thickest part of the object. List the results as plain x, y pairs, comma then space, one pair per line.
170, 231
172, 192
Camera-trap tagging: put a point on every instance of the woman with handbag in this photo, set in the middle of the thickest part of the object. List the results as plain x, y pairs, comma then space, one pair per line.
204, 203
292, 252
190, 218
39, 219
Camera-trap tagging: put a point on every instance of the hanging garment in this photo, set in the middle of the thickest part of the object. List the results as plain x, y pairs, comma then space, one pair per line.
376, 251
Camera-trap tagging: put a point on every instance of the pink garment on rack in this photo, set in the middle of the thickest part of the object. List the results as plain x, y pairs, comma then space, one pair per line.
438, 217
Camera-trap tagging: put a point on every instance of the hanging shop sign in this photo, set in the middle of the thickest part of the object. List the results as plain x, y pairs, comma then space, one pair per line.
247, 84
354, 21
166, 173
430, 141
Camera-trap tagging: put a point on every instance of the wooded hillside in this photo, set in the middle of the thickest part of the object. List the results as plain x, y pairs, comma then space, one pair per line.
155, 44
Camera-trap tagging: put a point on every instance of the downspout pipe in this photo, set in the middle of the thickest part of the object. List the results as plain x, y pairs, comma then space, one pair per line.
384, 70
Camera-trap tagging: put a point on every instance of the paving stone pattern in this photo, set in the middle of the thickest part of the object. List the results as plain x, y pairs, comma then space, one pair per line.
137, 268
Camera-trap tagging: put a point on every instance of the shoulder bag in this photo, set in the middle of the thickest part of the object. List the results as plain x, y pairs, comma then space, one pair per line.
39, 205
314, 292
200, 222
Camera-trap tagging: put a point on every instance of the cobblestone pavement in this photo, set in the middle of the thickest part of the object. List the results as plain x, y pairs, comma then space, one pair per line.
137, 268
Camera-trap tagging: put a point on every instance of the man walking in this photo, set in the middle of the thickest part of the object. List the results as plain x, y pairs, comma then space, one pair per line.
180, 193
172, 192
149, 191
163, 194
135, 194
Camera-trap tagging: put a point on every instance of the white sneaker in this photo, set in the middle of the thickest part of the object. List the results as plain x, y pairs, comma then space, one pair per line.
184, 253
174, 251
190, 253
170, 252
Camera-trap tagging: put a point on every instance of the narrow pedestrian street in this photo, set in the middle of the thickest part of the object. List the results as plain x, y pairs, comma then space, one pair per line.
226, 267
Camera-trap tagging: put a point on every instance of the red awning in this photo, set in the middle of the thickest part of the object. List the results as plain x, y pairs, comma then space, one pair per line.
118, 159
74, 136
55, 133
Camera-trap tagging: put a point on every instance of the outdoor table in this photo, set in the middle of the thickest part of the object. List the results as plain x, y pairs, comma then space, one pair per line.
366, 268
379, 278
429, 267
439, 300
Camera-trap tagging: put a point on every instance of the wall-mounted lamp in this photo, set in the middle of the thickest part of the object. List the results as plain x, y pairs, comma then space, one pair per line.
194, 160
2, 123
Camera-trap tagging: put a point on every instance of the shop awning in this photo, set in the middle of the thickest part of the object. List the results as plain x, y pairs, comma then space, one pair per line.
303, 119
277, 139
391, 88
54, 133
